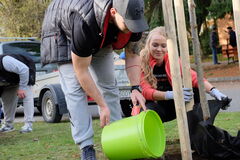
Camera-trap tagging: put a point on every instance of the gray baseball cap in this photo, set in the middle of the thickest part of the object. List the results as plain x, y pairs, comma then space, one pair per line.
132, 12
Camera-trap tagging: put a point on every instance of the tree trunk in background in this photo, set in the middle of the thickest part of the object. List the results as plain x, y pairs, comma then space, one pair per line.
197, 56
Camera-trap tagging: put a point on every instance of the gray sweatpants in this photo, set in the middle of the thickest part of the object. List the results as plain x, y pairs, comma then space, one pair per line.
102, 70
9, 101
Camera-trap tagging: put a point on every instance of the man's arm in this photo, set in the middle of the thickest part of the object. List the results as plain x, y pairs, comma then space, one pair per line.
11, 64
81, 65
133, 69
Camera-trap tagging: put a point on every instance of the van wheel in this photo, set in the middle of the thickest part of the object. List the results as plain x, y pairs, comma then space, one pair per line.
50, 111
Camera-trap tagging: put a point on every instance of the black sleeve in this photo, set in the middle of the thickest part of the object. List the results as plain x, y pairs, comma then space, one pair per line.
135, 37
82, 39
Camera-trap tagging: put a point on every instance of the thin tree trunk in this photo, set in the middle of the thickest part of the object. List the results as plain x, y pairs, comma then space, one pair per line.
197, 56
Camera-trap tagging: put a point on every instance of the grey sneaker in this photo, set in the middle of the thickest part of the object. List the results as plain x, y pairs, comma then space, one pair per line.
6, 128
26, 128
88, 153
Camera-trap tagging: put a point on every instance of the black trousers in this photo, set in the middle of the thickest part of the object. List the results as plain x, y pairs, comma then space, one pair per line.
165, 109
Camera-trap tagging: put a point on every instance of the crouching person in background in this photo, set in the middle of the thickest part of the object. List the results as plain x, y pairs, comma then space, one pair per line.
17, 75
156, 80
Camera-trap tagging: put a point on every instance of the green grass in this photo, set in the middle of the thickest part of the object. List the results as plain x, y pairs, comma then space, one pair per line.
227, 121
54, 141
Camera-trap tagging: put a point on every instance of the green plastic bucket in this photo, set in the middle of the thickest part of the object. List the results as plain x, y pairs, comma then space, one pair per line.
140, 136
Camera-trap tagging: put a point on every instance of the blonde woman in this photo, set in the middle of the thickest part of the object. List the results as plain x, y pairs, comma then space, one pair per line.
156, 82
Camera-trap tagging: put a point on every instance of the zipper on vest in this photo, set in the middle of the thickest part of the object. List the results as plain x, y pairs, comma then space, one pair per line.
103, 38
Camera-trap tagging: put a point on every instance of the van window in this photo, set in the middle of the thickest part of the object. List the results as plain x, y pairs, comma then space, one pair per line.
31, 50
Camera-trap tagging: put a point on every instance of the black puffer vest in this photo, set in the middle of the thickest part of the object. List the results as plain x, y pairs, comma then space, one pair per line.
56, 29
13, 78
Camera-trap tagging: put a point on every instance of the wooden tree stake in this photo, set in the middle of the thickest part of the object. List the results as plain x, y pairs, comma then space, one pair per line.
176, 80
184, 49
236, 13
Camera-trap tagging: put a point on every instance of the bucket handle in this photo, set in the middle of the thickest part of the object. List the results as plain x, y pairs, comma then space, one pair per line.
135, 110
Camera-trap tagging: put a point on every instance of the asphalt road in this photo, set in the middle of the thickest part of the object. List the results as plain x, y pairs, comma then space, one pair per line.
231, 89
38, 117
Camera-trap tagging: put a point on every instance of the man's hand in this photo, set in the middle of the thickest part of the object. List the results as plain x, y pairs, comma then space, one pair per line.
81, 65
138, 99
21, 94
133, 68
104, 116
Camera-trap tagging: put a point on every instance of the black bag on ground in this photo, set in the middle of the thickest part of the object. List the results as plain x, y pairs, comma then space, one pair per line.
212, 142
1, 90
209, 141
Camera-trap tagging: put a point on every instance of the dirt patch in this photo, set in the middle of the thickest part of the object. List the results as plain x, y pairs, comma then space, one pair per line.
221, 70
173, 152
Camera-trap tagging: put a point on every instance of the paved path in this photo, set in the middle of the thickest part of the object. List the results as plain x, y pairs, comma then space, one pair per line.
38, 117
19, 115
232, 90
228, 85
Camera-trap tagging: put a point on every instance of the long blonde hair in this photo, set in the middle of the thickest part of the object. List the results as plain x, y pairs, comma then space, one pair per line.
145, 57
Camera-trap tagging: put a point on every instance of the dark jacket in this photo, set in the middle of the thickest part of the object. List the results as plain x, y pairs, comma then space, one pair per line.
13, 78
214, 39
232, 38
57, 28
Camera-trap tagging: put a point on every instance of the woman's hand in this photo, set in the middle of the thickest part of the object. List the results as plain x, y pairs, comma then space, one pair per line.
217, 94
187, 94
